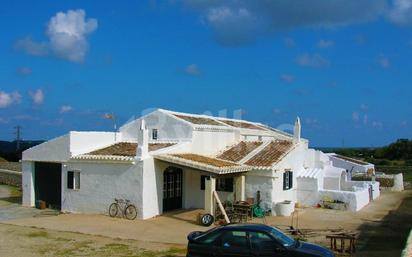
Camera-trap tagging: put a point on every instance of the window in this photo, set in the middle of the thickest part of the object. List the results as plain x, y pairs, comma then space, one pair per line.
222, 184
154, 134
73, 180
209, 237
261, 241
235, 239
287, 180
282, 238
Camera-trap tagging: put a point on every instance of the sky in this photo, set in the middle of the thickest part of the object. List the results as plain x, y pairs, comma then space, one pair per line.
342, 66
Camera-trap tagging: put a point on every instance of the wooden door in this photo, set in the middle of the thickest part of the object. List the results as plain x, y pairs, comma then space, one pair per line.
172, 189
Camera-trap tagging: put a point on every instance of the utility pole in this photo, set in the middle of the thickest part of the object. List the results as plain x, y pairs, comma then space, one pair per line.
18, 136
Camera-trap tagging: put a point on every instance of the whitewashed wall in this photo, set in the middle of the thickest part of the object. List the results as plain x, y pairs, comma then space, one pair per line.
100, 183
28, 183
85, 142
169, 127
211, 142
294, 161
262, 181
55, 150
347, 165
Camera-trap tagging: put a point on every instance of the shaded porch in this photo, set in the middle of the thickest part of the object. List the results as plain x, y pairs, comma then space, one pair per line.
189, 182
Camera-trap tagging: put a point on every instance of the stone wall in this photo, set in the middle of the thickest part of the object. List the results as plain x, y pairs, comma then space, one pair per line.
10, 177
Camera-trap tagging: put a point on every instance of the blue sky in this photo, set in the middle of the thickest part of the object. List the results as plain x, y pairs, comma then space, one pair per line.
343, 66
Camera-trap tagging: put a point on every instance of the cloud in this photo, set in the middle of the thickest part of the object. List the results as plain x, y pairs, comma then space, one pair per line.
24, 71
67, 37
312, 60
377, 124
364, 107
287, 78
37, 96
30, 47
240, 22
192, 69
326, 43
7, 99
384, 62
66, 108
365, 119
401, 12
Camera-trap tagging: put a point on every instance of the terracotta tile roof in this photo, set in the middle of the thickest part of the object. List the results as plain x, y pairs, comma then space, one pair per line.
127, 149
239, 124
199, 120
122, 149
272, 153
157, 146
239, 151
205, 160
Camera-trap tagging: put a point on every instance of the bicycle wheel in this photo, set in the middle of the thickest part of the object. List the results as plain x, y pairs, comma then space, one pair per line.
113, 209
130, 212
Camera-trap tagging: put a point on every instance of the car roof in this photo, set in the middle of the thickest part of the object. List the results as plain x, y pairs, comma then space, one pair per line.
248, 227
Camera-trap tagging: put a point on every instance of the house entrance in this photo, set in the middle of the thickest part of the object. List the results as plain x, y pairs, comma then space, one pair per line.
48, 183
172, 189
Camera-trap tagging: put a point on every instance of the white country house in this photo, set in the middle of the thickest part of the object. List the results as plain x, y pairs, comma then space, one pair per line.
168, 160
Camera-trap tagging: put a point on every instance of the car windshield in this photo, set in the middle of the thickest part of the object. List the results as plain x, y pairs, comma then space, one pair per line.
282, 238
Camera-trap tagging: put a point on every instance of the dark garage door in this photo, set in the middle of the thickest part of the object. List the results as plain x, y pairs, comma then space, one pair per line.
47, 183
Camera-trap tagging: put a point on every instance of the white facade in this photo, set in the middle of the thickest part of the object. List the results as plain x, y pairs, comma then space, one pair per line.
351, 165
189, 144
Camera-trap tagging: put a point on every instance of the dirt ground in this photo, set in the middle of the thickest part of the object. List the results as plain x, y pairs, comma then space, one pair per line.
382, 228
34, 242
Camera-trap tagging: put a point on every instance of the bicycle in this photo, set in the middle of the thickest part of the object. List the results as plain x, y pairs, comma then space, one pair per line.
127, 209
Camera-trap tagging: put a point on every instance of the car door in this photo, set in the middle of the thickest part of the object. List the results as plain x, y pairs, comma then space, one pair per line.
205, 246
234, 243
263, 245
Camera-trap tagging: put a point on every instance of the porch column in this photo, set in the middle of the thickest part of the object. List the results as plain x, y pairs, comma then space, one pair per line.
28, 183
240, 188
210, 186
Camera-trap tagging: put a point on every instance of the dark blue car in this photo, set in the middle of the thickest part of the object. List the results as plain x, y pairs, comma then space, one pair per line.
244, 240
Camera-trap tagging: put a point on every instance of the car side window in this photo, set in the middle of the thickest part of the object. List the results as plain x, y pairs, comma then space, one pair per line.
262, 241
235, 239
210, 238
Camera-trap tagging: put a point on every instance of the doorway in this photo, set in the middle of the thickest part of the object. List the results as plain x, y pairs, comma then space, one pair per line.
48, 183
172, 189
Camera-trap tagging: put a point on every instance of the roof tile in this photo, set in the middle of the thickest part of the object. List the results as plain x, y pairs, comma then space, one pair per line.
127, 149
240, 124
206, 160
239, 151
199, 120
272, 153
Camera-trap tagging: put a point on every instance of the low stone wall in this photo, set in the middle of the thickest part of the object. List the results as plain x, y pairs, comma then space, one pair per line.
9, 177
388, 182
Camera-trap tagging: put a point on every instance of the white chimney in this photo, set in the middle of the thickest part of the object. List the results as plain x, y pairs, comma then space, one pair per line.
142, 141
296, 131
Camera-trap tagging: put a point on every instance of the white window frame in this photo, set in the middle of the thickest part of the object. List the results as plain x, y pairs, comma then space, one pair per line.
155, 134
76, 179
